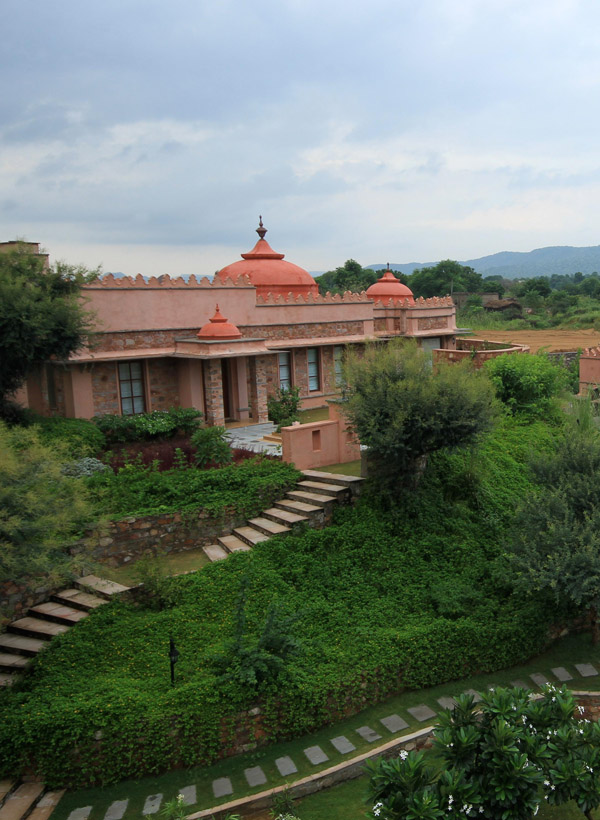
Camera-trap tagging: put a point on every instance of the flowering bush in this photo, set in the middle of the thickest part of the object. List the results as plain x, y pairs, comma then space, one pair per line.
502, 759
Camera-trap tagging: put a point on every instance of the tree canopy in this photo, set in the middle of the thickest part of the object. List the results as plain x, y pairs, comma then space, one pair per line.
41, 315
350, 276
403, 409
445, 277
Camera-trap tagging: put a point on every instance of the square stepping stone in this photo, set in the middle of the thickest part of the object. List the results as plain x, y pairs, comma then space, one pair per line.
189, 795
368, 734
255, 776
343, 745
152, 804
520, 684
394, 723
285, 766
539, 679
222, 787
447, 703
80, 814
561, 673
315, 755
586, 670
475, 695
421, 713
116, 810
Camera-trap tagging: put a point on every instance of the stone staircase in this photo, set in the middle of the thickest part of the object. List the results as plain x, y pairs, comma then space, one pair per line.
28, 799
311, 502
27, 636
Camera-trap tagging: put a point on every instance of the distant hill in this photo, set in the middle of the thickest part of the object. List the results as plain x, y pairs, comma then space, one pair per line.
561, 259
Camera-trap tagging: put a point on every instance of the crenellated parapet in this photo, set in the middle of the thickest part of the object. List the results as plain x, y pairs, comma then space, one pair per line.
167, 282
311, 299
426, 304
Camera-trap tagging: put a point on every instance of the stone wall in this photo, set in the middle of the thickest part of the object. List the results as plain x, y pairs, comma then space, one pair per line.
105, 389
131, 538
162, 389
306, 330
16, 597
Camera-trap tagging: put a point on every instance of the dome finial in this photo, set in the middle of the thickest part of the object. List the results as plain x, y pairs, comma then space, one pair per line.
261, 230
388, 265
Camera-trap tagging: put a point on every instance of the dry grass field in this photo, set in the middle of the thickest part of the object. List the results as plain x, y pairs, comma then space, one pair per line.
549, 340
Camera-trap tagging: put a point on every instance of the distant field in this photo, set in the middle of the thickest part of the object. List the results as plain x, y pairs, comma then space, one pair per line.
553, 339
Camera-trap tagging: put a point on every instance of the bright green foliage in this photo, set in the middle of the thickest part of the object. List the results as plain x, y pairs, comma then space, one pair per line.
408, 597
402, 409
556, 535
158, 424
284, 407
212, 446
41, 510
497, 765
79, 437
351, 276
253, 662
445, 277
525, 383
246, 488
41, 316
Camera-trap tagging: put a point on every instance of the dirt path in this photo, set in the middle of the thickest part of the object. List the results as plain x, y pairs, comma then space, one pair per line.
549, 339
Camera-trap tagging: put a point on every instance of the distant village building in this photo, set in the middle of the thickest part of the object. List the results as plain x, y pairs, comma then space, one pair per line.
224, 346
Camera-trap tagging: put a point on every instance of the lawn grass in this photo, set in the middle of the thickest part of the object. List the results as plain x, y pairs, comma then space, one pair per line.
313, 414
173, 563
349, 468
565, 652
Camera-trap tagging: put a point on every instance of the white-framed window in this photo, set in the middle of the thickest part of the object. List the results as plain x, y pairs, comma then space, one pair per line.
131, 388
338, 353
314, 376
284, 360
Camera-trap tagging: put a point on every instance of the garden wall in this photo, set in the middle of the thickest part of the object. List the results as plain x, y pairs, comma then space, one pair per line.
16, 597
122, 541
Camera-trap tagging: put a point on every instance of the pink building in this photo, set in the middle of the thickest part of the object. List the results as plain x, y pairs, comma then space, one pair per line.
224, 346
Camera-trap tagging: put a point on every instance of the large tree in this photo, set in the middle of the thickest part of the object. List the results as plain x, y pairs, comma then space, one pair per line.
350, 276
556, 536
445, 277
402, 408
41, 315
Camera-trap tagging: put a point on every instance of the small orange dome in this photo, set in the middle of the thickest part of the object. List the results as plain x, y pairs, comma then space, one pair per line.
219, 328
389, 288
268, 272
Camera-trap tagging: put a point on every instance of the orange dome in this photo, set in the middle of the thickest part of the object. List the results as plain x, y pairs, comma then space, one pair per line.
219, 328
389, 288
268, 272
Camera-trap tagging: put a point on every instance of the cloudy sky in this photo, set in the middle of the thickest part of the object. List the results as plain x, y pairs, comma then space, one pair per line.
147, 136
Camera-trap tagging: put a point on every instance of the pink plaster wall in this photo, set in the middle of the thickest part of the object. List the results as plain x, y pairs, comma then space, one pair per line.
589, 372
319, 444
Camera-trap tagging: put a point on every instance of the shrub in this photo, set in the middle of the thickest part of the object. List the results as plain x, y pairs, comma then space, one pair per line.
284, 407
84, 467
79, 437
144, 426
526, 383
212, 447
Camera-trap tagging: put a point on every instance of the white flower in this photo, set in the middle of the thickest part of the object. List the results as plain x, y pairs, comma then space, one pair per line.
403, 754
377, 809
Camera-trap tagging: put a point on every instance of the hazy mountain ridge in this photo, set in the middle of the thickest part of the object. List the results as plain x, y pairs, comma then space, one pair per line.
560, 259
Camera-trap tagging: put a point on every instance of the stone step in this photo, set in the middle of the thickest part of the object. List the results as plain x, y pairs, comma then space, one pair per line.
214, 552
46, 805
310, 498
268, 526
6, 787
285, 517
250, 535
78, 599
36, 628
12, 663
232, 543
102, 587
19, 803
57, 613
299, 507
334, 490
19, 645
333, 478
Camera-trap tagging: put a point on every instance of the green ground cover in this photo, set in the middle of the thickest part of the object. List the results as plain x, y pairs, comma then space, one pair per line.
565, 652
172, 563
410, 591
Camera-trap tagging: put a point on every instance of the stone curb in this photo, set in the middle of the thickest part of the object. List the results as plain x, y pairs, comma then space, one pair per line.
347, 770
